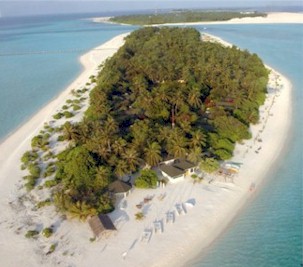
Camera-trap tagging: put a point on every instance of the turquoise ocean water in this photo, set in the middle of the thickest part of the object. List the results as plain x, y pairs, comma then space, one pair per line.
28, 78
269, 231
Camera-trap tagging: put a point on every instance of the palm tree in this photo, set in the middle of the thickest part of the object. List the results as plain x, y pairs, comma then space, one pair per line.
176, 101
110, 125
119, 146
176, 143
103, 176
131, 157
177, 148
69, 131
194, 97
195, 154
152, 154
198, 139
121, 168
109, 129
81, 210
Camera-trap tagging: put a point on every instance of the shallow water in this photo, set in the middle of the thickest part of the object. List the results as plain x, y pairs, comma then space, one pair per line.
269, 231
39, 58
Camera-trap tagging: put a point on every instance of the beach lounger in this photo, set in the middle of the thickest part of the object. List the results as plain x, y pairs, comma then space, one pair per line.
158, 226
180, 209
161, 196
146, 236
170, 217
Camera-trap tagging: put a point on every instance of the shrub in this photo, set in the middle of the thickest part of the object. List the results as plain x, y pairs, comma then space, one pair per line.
46, 136
49, 171
44, 203
51, 129
34, 170
50, 183
76, 101
223, 154
58, 129
83, 98
194, 176
52, 248
46, 126
30, 185
61, 138
48, 156
29, 156
58, 116
76, 107
147, 179
47, 232
68, 114
139, 216
31, 233
23, 167
69, 101
209, 165
65, 107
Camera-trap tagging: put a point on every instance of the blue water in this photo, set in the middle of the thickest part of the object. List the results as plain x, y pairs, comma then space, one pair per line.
269, 231
29, 81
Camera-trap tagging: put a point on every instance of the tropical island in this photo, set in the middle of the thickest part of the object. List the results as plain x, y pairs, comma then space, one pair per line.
183, 16
164, 94
172, 221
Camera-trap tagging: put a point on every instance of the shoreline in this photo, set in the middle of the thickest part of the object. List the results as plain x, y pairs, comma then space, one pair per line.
18, 141
217, 204
272, 17
273, 157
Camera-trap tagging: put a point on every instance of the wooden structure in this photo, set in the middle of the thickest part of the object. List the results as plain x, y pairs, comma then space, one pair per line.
176, 169
101, 225
120, 188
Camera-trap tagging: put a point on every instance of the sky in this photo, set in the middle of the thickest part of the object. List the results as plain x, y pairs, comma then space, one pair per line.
42, 7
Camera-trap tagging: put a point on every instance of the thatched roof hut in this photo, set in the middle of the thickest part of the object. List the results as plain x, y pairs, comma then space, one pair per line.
119, 187
101, 225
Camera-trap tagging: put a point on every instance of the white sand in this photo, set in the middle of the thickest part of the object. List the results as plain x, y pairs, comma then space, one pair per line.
215, 204
276, 17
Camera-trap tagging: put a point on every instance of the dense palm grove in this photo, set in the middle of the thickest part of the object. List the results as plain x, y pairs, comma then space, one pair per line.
164, 93
183, 16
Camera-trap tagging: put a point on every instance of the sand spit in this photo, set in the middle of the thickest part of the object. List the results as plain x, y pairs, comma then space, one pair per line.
207, 206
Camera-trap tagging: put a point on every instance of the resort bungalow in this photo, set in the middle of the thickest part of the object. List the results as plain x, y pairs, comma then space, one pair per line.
120, 188
101, 225
176, 170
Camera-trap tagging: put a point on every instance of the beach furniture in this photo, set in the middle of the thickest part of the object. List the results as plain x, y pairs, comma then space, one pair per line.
161, 196
140, 205
158, 226
180, 209
146, 236
148, 199
170, 217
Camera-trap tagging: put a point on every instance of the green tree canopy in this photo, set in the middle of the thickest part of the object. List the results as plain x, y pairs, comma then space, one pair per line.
147, 179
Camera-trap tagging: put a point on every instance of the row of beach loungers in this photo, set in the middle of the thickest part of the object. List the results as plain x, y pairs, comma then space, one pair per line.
180, 209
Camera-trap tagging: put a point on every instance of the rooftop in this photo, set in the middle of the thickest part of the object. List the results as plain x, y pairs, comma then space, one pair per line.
119, 186
171, 170
183, 164
101, 224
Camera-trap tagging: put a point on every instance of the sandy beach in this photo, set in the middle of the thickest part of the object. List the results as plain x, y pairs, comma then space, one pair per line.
209, 206
276, 17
